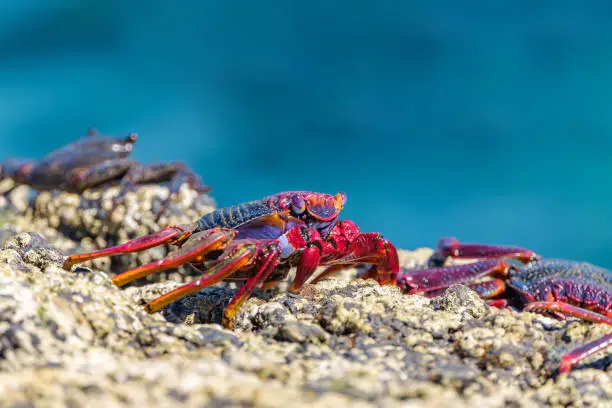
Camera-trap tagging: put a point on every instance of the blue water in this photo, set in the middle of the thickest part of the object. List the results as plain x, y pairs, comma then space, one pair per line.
489, 121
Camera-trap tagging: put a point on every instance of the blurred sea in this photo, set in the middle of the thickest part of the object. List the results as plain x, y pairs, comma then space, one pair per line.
489, 121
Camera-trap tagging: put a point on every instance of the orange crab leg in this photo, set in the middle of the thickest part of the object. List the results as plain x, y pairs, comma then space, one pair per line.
197, 247
263, 271
239, 258
168, 235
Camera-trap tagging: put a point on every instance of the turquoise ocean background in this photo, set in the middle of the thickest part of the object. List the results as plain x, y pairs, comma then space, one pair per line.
489, 121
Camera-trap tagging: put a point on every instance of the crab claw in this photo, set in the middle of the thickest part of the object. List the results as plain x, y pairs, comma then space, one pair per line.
346, 245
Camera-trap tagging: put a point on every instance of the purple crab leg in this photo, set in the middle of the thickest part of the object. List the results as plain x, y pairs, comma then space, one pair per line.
139, 174
175, 173
185, 175
561, 309
82, 178
565, 309
433, 279
451, 247
487, 290
574, 357
16, 169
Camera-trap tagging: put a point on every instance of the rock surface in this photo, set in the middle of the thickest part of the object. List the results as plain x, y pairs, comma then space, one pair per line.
84, 223
74, 339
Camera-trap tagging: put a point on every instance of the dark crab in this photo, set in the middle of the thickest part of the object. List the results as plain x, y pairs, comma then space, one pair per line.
557, 287
257, 242
96, 161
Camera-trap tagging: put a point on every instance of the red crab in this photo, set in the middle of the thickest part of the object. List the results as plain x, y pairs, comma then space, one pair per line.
257, 242
558, 287
95, 161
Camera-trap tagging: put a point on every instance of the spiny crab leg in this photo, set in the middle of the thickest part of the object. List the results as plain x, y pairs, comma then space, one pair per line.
434, 279
176, 173
168, 235
574, 357
240, 256
542, 287
561, 309
82, 178
193, 251
451, 247
263, 271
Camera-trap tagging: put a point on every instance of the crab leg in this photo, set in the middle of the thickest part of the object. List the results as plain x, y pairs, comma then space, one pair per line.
263, 271
574, 357
142, 174
82, 178
168, 235
487, 289
196, 248
310, 241
182, 176
186, 176
218, 272
451, 247
17, 170
561, 309
434, 279
174, 172
239, 257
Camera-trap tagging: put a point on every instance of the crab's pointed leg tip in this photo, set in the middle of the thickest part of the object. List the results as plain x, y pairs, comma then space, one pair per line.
72, 260
149, 309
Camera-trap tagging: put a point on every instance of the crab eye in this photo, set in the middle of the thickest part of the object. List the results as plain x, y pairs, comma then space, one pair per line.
298, 205
340, 201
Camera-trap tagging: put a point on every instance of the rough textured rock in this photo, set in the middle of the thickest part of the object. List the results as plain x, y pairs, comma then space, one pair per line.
74, 339
84, 223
